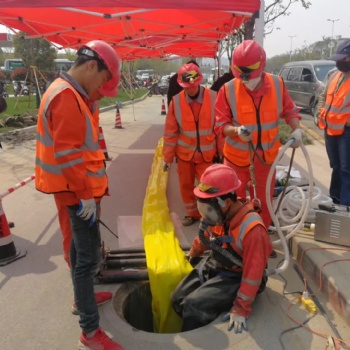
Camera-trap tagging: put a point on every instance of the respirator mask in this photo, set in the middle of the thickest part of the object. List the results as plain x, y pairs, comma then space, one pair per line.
210, 210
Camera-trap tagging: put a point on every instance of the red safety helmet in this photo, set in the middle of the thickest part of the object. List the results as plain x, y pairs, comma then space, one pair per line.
110, 88
248, 60
217, 180
189, 75
103, 51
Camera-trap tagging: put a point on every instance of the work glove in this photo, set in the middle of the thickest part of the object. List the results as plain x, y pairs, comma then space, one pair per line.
244, 133
87, 210
298, 138
236, 322
166, 166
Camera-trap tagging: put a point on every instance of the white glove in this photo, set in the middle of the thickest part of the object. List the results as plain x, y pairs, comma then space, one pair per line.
166, 166
87, 209
244, 134
297, 135
238, 323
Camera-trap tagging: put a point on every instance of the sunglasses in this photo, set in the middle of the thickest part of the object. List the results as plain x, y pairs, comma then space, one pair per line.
208, 189
248, 69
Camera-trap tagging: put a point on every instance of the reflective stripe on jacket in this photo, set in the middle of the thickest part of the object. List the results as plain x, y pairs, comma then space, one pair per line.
262, 123
49, 176
194, 135
336, 110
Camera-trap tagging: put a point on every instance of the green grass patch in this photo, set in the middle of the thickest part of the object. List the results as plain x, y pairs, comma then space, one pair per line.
285, 130
22, 104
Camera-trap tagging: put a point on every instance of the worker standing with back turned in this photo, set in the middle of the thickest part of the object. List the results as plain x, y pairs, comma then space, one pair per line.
70, 164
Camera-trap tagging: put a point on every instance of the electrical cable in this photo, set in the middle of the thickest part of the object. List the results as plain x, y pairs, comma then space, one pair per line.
103, 224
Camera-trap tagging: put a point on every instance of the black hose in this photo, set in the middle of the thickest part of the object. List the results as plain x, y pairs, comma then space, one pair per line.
212, 245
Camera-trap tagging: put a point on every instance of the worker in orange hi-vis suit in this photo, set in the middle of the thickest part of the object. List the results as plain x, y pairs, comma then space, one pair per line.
247, 110
189, 135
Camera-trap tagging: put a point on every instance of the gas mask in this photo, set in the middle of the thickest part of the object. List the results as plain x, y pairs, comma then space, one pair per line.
252, 83
210, 210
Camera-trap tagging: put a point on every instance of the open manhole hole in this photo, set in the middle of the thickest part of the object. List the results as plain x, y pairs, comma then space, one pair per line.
133, 303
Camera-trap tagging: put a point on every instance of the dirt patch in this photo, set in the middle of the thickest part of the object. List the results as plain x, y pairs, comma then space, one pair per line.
18, 136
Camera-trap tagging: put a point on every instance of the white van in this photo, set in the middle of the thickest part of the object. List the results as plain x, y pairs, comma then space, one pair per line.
303, 78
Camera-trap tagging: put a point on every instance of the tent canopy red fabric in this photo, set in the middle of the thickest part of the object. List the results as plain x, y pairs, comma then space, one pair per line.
143, 32
219, 5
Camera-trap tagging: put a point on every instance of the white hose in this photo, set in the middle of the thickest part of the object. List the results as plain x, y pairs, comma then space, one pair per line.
302, 211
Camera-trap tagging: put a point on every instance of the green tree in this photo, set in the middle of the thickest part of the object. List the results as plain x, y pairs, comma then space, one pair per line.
273, 10
34, 52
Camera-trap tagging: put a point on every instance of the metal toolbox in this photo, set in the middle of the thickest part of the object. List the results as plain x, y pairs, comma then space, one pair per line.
333, 225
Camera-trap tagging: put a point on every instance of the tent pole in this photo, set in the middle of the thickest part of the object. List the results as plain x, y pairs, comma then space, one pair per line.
131, 92
259, 24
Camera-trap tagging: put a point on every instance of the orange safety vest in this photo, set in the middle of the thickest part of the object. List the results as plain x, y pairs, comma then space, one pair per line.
336, 110
261, 122
242, 222
48, 174
194, 135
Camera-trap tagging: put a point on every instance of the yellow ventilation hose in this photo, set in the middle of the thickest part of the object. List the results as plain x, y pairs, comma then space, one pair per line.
166, 262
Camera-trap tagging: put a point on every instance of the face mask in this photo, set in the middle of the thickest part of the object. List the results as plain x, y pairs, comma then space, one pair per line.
252, 83
343, 66
211, 211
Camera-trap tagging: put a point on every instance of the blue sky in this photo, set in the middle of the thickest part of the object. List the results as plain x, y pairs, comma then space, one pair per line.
308, 25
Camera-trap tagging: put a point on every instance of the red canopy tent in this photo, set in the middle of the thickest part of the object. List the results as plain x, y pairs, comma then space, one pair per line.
143, 29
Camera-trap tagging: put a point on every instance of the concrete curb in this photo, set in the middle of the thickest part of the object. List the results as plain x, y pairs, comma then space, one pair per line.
312, 133
334, 277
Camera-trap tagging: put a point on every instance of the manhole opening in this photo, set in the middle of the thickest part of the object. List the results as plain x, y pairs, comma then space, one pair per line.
133, 303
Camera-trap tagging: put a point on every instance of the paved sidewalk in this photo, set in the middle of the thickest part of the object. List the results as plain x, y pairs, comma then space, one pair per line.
335, 276
36, 292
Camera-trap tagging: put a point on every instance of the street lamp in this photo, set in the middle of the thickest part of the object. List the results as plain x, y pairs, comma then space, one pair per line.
332, 20
291, 46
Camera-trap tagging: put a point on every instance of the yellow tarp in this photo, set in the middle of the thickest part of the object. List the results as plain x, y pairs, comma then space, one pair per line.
166, 261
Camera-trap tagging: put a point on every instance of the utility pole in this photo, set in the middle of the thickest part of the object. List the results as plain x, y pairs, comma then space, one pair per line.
331, 45
291, 46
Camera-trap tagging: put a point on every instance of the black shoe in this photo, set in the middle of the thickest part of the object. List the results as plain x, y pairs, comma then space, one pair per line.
273, 255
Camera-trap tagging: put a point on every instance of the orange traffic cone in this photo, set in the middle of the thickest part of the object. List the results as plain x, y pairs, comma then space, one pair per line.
102, 142
118, 121
163, 111
8, 252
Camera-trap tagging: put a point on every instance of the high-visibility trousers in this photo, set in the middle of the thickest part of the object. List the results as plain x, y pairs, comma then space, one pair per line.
63, 219
261, 174
189, 172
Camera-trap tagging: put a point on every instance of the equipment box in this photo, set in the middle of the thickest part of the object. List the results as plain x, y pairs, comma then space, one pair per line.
333, 225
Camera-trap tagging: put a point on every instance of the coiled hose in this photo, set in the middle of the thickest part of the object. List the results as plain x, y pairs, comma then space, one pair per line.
303, 212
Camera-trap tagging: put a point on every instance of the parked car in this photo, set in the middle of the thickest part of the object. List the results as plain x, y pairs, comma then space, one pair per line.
303, 78
320, 90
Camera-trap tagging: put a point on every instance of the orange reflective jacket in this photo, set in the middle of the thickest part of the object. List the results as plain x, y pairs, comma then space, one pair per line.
191, 135
84, 160
262, 122
248, 238
336, 110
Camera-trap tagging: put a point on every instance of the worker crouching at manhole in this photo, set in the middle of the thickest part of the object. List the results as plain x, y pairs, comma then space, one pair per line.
234, 273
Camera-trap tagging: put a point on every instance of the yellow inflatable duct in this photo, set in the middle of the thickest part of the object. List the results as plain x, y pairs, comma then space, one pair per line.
166, 262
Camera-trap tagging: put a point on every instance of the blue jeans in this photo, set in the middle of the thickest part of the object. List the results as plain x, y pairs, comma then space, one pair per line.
338, 150
84, 257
